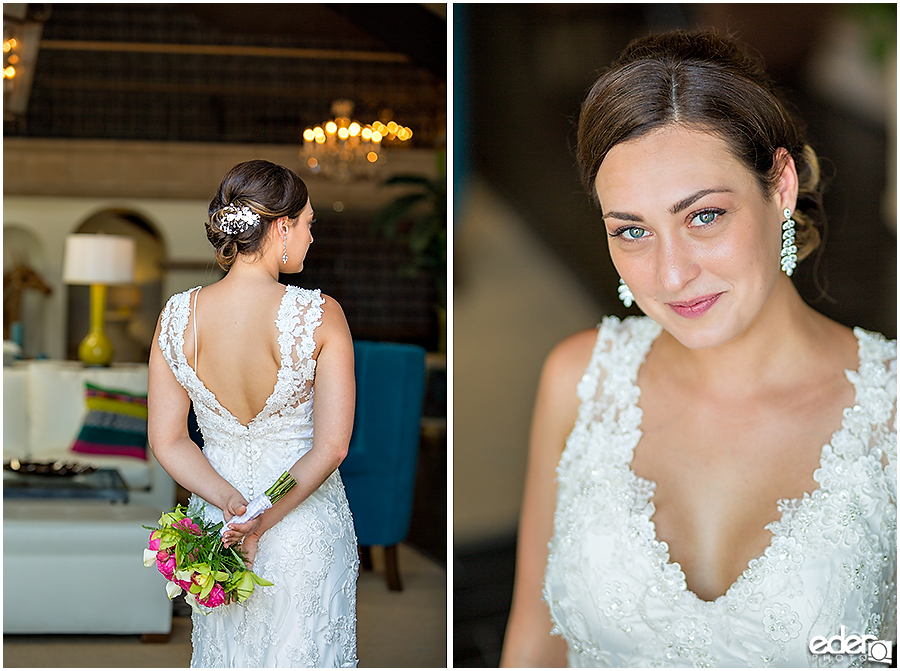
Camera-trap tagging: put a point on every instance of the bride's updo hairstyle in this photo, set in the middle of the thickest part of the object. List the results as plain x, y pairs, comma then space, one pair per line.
701, 81
252, 188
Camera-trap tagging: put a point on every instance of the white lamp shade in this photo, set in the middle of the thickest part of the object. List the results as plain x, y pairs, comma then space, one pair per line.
96, 258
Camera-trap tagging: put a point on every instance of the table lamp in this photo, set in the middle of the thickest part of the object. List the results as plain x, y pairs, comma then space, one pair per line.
98, 260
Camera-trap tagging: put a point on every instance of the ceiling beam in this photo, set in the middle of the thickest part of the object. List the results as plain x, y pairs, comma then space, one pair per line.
226, 50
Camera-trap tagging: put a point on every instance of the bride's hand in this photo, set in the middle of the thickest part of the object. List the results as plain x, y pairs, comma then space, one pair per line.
234, 506
236, 533
248, 548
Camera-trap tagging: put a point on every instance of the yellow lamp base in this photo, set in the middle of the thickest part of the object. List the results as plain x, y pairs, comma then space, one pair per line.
96, 349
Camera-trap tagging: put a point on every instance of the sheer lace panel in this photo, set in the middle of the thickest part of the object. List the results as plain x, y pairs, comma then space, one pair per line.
299, 314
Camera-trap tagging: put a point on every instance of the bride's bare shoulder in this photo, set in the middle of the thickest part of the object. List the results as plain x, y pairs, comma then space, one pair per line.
332, 326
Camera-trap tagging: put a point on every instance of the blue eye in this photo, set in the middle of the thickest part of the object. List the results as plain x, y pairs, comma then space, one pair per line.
632, 233
706, 217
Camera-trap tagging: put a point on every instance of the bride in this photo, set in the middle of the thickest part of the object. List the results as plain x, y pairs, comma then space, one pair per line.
251, 354
680, 508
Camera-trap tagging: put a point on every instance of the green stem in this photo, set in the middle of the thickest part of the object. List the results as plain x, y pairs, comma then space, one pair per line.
282, 486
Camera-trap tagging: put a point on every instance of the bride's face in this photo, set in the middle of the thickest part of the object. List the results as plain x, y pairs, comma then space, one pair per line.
692, 233
299, 238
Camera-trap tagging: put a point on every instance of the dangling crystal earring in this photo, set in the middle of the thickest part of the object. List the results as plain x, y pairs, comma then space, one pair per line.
625, 294
284, 249
788, 248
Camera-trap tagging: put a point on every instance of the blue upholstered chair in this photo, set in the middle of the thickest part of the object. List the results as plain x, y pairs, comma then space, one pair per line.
379, 471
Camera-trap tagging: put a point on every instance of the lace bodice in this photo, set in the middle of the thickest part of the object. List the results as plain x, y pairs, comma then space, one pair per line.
618, 599
282, 432
308, 617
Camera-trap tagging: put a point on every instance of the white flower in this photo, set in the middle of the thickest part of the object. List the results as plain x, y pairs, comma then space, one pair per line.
172, 590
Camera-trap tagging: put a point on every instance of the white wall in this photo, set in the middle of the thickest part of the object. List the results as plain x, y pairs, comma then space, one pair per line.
51, 219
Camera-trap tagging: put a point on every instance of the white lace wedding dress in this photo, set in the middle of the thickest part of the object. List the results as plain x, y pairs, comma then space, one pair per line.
618, 600
308, 618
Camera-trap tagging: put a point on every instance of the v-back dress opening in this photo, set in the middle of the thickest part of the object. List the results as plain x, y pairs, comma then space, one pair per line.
308, 617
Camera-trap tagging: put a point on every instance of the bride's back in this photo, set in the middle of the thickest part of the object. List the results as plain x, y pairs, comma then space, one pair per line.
237, 353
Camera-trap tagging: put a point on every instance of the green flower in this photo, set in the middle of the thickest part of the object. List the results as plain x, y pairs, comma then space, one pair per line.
203, 579
243, 583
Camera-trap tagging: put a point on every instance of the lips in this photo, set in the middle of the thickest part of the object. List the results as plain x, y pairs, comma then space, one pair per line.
696, 307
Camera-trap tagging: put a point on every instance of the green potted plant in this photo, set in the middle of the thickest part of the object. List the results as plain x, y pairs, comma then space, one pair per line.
419, 218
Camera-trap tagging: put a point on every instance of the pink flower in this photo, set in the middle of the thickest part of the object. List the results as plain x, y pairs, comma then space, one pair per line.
166, 565
216, 597
188, 525
154, 542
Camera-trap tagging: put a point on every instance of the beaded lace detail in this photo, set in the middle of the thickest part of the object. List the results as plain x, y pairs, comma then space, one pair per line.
618, 599
308, 618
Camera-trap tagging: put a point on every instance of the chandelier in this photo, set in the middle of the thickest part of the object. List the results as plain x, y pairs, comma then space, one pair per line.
343, 149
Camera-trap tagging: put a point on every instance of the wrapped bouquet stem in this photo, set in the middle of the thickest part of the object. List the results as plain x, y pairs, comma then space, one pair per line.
190, 554
266, 500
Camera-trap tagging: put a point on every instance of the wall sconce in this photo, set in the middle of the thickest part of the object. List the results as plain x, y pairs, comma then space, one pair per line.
23, 24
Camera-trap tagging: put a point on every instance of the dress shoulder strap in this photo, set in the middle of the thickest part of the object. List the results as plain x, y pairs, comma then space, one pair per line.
194, 312
172, 325
297, 322
619, 351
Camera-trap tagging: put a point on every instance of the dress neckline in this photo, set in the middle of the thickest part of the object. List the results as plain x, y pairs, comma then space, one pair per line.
643, 488
279, 380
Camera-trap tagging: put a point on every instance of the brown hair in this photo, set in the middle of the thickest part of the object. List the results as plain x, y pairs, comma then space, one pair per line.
270, 190
701, 80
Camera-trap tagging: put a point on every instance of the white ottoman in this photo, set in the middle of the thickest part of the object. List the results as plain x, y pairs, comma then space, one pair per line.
76, 567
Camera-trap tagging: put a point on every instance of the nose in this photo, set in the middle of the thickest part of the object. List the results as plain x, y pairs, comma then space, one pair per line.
676, 264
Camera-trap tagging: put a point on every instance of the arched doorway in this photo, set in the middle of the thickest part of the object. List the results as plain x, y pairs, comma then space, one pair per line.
25, 289
131, 310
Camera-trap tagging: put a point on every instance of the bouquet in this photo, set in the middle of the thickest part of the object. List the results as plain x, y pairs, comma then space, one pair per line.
189, 552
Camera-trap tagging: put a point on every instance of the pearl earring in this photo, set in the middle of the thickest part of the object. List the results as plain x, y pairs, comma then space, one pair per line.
788, 248
625, 294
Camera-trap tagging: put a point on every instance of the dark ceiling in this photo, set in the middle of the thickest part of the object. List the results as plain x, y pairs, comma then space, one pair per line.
234, 72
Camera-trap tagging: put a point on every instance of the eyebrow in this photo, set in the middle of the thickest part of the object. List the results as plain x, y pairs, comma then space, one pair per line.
680, 206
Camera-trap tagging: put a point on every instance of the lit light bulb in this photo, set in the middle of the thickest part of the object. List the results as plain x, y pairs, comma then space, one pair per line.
309, 135
331, 128
343, 133
354, 129
372, 157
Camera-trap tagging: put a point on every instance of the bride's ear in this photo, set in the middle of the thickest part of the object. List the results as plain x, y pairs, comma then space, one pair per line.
280, 226
787, 186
